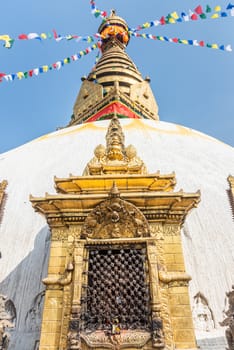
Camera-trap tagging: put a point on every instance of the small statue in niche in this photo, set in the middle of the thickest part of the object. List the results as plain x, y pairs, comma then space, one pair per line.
74, 333
229, 320
7, 320
157, 333
202, 314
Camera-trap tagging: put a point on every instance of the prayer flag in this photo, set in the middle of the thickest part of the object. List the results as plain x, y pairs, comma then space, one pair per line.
198, 10
217, 8
208, 9
215, 15
23, 37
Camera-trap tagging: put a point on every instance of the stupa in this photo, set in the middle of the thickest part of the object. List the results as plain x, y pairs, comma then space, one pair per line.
100, 246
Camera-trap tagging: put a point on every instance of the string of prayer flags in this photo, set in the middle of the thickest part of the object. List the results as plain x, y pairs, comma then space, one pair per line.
43, 36
197, 13
97, 13
46, 68
182, 41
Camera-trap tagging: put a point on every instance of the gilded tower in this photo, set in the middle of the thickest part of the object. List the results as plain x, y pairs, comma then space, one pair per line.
116, 275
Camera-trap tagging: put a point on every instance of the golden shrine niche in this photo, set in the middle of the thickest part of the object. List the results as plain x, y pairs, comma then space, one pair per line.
116, 275
3, 186
231, 183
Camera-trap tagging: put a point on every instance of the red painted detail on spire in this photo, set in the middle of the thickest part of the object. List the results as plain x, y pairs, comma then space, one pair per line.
114, 107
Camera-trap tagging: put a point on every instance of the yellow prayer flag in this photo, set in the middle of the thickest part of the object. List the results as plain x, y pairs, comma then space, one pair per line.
65, 61
5, 37
43, 36
146, 25
45, 68
161, 38
171, 20
184, 41
217, 8
214, 46
174, 15
215, 15
20, 75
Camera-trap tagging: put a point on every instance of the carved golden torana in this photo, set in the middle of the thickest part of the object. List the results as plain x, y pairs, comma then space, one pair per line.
120, 214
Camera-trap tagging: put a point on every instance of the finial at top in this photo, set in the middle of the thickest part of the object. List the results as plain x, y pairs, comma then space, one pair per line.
113, 13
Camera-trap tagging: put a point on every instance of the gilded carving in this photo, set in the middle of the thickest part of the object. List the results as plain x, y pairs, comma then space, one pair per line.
171, 230
229, 320
62, 234
7, 320
115, 218
3, 186
127, 339
67, 301
115, 158
158, 339
156, 231
231, 182
63, 280
170, 277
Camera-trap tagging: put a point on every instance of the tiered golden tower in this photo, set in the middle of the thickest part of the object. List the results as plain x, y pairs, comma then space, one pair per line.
116, 275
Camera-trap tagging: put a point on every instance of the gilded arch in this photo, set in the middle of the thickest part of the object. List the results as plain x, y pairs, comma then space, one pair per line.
115, 218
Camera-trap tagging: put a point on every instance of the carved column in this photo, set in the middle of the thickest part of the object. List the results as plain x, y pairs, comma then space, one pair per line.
176, 280
57, 290
73, 338
157, 325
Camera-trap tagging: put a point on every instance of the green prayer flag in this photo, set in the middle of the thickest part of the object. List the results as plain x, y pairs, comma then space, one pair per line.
202, 16
208, 9
97, 14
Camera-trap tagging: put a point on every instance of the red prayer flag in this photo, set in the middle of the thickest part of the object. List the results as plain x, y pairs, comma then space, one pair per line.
1, 76
162, 20
201, 43
55, 34
198, 10
30, 73
194, 17
175, 40
23, 37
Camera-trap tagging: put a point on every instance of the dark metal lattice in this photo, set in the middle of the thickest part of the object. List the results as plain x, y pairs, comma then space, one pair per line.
117, 291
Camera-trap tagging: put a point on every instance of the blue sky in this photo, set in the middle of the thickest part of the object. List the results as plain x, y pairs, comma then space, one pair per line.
193, 86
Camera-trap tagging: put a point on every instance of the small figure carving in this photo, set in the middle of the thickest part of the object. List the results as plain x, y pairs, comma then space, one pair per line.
229, 320
202, 314
7, 320
34, 315
157, 333
74, 332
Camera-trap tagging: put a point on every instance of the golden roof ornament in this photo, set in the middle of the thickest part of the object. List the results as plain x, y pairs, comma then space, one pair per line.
115, 158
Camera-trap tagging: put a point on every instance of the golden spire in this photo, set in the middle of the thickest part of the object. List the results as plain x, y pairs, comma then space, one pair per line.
114, 69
